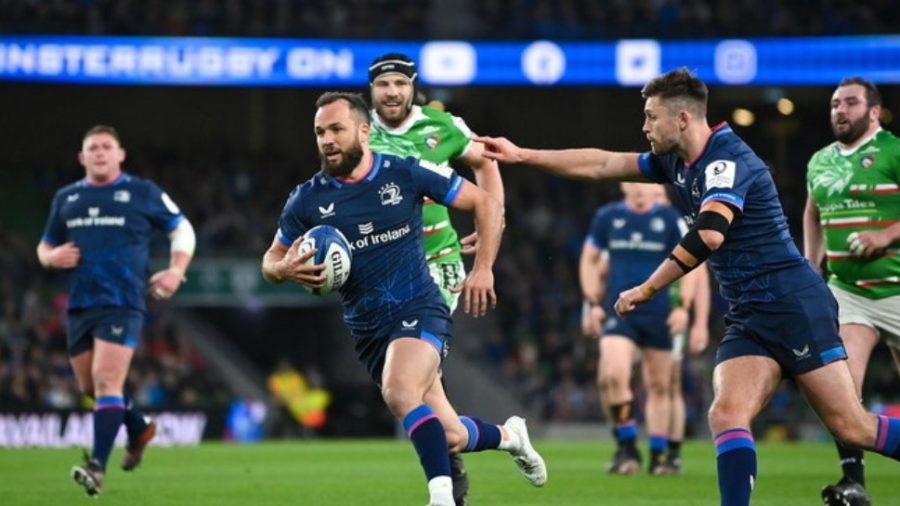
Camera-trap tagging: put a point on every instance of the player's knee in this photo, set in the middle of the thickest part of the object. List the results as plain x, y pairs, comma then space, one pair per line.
106, 383
849, 430
657, 388
611, 382
401, 399
456, 438
724, 415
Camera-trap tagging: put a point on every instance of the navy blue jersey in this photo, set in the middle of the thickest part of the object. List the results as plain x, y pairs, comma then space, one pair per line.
381, 216
636, 243
112, 225
758, 262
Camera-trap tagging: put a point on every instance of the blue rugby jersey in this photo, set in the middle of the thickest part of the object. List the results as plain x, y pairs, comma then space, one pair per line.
381, 216
758, 262
636, 243
112, 225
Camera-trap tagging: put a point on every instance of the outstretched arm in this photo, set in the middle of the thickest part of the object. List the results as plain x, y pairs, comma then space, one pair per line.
585, 163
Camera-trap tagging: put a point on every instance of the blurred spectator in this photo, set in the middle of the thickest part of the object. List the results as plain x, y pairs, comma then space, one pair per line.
299, 400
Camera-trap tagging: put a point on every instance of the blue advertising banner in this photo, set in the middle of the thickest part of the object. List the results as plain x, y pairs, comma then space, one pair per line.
344, 63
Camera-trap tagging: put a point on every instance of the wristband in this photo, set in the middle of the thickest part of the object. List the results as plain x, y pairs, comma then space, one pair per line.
647, 290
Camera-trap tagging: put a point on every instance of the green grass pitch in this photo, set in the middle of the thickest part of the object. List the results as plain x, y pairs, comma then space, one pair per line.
381, 472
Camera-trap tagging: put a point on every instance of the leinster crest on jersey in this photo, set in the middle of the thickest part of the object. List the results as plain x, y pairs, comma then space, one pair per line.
390, 195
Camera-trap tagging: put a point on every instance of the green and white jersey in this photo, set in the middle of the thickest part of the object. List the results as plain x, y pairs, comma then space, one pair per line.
856, 191
438, 137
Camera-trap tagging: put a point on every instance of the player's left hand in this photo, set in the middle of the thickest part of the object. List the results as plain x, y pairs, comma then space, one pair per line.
868, 243
629, 299
478, 292
165, 283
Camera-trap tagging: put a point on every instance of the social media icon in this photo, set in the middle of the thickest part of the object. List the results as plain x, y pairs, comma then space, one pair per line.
543, 62
735, 61
637, 61
451, 63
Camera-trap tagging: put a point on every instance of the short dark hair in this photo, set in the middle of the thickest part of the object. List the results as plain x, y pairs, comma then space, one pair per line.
103, 129
873, 96
357, 104
680, 83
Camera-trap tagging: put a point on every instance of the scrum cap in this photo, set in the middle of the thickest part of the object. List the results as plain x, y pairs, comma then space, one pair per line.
393, 62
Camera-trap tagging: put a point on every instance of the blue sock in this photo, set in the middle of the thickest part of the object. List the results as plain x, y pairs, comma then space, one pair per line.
109, 411
624, 425
657, 447
134, 420
736, 459
887, 441
626, 433
482, 436
427, 435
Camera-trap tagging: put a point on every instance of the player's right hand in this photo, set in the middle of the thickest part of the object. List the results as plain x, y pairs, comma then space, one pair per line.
592, 319
64, 256
501, 149
293, 266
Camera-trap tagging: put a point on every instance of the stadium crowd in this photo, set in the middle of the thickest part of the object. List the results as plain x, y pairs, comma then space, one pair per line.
410, 19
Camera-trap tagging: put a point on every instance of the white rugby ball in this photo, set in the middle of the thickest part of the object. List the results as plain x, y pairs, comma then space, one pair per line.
333, 250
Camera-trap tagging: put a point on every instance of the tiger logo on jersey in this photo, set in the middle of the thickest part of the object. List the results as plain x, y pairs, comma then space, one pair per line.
836, 179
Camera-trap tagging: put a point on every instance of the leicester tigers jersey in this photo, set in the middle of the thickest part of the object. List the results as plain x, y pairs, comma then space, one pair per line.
380, 214
437, 137
855, 191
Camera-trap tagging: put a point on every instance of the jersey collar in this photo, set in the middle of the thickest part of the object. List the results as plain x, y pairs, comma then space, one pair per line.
848, 152
121, 178
415, 114
368, 176
717, 131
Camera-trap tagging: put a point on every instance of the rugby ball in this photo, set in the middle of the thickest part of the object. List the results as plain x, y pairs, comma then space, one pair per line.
333, 250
